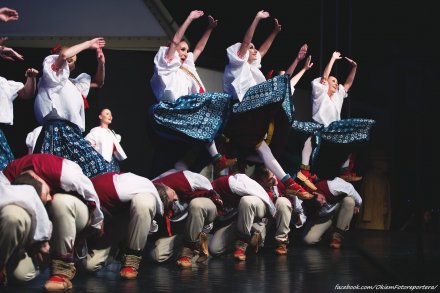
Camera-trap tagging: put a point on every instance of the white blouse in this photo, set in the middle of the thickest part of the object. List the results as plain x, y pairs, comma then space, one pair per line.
8, 93
73, 179
169, 81
340, 187
32, 137
103, 139
61, 97
239, 75
326, 109
197, 181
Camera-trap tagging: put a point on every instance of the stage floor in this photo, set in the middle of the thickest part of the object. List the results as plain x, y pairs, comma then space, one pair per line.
368, 258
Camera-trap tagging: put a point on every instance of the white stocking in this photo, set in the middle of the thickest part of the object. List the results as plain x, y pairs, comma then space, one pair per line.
269, 160
307, 151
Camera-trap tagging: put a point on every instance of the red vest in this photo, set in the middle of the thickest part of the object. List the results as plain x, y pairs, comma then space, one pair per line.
181, 186
106, 190
221, 185
322, 187
47, 166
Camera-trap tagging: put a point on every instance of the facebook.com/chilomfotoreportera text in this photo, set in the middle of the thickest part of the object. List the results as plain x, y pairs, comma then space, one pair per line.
385, 287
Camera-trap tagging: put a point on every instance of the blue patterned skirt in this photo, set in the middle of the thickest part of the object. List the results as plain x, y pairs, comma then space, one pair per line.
341, 131
63, 138
6, 155
197, 117
271, 91
265, 103
113, 166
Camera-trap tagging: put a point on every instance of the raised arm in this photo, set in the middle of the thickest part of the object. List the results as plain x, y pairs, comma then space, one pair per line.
204, 39
264, 48
181, 32
294, 80
9, 54
335, 56
300, 56
99, 77
350, 78
247, 40
28, 91
96, 43
8, 14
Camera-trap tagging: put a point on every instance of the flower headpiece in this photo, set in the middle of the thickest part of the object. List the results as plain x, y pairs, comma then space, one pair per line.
56, 49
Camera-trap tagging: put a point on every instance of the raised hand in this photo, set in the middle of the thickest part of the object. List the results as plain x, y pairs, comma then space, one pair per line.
262, 14
31, 72
7, 14
336, 55
196, 14
97, 43
212, 22
9, 54
308, 63
354, 64
277, 25
302, 52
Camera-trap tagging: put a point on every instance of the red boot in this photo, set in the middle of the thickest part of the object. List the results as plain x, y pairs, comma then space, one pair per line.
185, 259
350, 176
62, 273
240, 250
336, 240
221, 163
293, 188
130, 266
347, 173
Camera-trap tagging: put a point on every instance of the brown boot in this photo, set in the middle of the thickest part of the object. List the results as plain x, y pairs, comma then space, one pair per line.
130, 266
256, 241
203, 248
62, 274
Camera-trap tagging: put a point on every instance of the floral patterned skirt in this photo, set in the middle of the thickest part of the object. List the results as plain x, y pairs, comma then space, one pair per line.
63, 138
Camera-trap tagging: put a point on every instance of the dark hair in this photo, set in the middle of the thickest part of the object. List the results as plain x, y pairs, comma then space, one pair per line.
260, 173
162, 190
27, 179
311, 206
102, 109
100, 112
